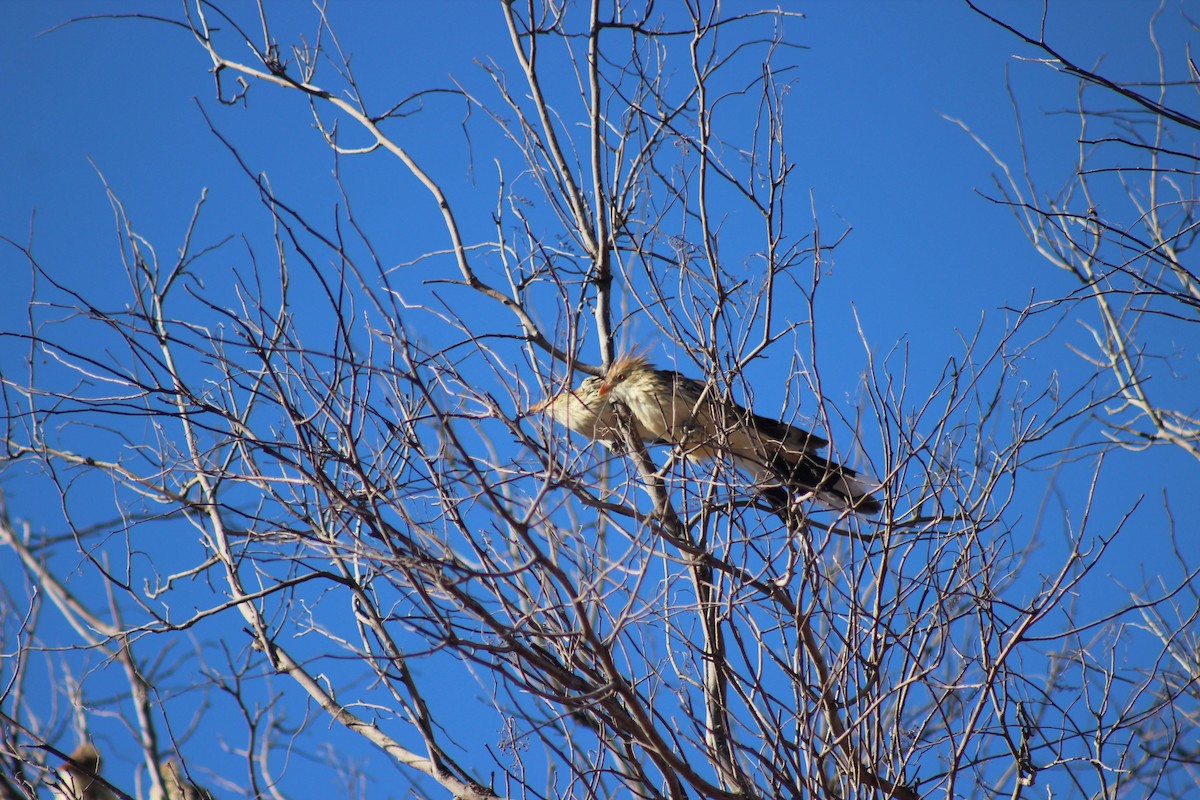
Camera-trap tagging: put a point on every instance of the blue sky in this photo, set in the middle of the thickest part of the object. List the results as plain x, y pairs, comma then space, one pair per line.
865, 129
927, 258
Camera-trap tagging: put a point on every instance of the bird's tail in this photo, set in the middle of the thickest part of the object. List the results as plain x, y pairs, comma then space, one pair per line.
829, 482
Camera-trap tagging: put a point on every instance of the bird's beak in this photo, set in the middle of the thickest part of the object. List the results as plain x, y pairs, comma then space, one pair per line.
604, 389
538, 408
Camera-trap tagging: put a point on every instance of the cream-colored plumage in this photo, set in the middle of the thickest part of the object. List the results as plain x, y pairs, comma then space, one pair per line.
586, 411
77, 777
678, 410
175, 786
582, 409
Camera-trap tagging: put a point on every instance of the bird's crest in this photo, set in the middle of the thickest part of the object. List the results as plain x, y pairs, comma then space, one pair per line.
627, 362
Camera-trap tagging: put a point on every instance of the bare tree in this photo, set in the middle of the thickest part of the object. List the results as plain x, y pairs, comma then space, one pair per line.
299, 497
1122, 227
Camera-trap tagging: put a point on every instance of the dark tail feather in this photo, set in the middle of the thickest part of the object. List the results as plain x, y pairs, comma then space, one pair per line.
831, 483
777, 499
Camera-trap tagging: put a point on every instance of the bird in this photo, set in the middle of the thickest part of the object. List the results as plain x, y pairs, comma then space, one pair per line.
782, 458
78, 777
177, 787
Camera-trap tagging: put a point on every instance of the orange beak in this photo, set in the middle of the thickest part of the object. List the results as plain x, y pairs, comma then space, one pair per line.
604, 389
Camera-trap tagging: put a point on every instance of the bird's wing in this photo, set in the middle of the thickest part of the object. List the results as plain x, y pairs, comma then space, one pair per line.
774, 453
719, 425
791, 437
687, 420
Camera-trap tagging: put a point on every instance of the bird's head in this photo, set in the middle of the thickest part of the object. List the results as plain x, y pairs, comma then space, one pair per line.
588, 392
621, 370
